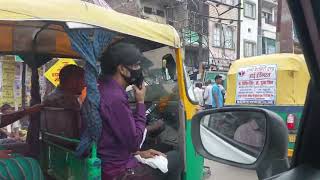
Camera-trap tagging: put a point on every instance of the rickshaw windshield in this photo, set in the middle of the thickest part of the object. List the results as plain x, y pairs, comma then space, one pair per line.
160, 77
189, 86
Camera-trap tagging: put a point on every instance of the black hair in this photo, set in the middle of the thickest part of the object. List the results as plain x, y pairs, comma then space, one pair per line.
199, 85
5, 106
208, 82
70, 71
119, 54
217, 77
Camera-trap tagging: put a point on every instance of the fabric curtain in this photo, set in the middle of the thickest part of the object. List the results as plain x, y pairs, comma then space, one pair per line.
90, 43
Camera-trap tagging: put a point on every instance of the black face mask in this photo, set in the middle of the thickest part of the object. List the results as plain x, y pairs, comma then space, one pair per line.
136, 77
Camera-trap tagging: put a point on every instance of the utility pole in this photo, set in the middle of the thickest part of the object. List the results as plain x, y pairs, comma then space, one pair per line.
259, 40
200, 51
279, 14
239, 30
23, 81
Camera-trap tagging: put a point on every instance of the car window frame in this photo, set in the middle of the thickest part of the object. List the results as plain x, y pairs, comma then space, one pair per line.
307, 32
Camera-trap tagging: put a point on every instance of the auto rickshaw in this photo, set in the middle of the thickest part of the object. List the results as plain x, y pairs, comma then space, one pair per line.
277, 82
41, 30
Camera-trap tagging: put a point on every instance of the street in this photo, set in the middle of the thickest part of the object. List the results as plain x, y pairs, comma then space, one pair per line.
224, 172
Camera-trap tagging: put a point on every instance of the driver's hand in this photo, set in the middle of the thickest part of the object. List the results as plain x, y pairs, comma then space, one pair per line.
150, 153
5, 154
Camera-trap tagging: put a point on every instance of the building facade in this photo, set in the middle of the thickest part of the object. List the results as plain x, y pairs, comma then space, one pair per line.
269, 26
258, 27
223, 33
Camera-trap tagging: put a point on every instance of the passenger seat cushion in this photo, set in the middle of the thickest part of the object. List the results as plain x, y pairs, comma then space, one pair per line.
20, 167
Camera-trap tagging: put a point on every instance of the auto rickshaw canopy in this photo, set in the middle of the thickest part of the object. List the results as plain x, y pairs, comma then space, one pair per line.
39, 25
292, 77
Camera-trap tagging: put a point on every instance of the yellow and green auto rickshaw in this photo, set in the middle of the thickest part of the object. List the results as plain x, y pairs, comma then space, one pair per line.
41, 30
277, 82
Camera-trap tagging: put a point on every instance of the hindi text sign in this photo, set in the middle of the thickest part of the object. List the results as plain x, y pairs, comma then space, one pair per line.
257, 84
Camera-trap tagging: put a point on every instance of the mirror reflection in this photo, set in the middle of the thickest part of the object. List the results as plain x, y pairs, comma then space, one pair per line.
237, 136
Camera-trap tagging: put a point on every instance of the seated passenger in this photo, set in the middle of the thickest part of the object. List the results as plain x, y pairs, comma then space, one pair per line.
124, 130
71, 86
250, 133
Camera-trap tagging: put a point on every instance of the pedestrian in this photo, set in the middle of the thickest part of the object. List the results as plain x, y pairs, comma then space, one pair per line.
223, 91
217, 97
199, 93
207, 95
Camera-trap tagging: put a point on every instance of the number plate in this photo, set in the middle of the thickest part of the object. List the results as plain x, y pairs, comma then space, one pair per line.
292, 138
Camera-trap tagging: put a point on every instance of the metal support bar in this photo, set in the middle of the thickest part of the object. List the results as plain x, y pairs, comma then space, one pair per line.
211, 17
230, 8
224, 4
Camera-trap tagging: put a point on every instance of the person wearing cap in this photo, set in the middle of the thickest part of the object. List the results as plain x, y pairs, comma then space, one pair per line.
123, 130
217, 97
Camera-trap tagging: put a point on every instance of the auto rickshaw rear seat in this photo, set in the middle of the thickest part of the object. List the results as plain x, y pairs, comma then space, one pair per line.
60, 122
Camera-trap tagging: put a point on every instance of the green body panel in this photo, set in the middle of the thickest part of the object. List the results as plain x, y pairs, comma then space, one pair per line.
283, 112
61, 163
194, 162
20, 167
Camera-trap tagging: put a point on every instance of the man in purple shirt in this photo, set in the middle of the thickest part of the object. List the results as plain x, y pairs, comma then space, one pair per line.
123, 130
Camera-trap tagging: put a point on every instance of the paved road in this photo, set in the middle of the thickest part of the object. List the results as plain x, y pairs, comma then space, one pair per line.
224, 172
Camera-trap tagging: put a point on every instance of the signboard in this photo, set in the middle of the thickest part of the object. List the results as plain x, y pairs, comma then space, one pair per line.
53, 73
8, 80
190, 37
257, 85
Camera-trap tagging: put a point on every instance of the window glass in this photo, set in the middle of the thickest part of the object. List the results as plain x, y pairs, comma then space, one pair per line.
267, 17
190, 86
249, 49
147, 10
229, 38
160, 13
217, 35
249, 10
159, 72
268, 46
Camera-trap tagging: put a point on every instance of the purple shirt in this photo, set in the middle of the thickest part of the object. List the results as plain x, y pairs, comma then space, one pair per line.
122, 129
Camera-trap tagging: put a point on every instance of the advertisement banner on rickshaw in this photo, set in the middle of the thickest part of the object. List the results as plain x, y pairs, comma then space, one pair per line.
257, 85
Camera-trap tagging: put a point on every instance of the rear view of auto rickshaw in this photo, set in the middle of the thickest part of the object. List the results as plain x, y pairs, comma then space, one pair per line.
276, 82
41, 30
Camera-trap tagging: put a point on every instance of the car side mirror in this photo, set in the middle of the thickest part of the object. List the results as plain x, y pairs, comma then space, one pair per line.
250, 138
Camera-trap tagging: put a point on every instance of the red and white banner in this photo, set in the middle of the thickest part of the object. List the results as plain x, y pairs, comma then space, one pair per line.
257, 84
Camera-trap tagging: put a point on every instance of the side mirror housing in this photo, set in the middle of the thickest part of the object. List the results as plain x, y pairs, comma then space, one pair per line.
250, 138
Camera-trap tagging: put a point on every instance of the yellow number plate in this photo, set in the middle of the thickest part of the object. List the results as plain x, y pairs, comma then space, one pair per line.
292, 138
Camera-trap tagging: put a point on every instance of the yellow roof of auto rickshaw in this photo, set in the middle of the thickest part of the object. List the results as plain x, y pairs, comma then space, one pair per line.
284, 61
82, 12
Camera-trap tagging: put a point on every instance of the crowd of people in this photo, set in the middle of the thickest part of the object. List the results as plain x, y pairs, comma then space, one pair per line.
212, 95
